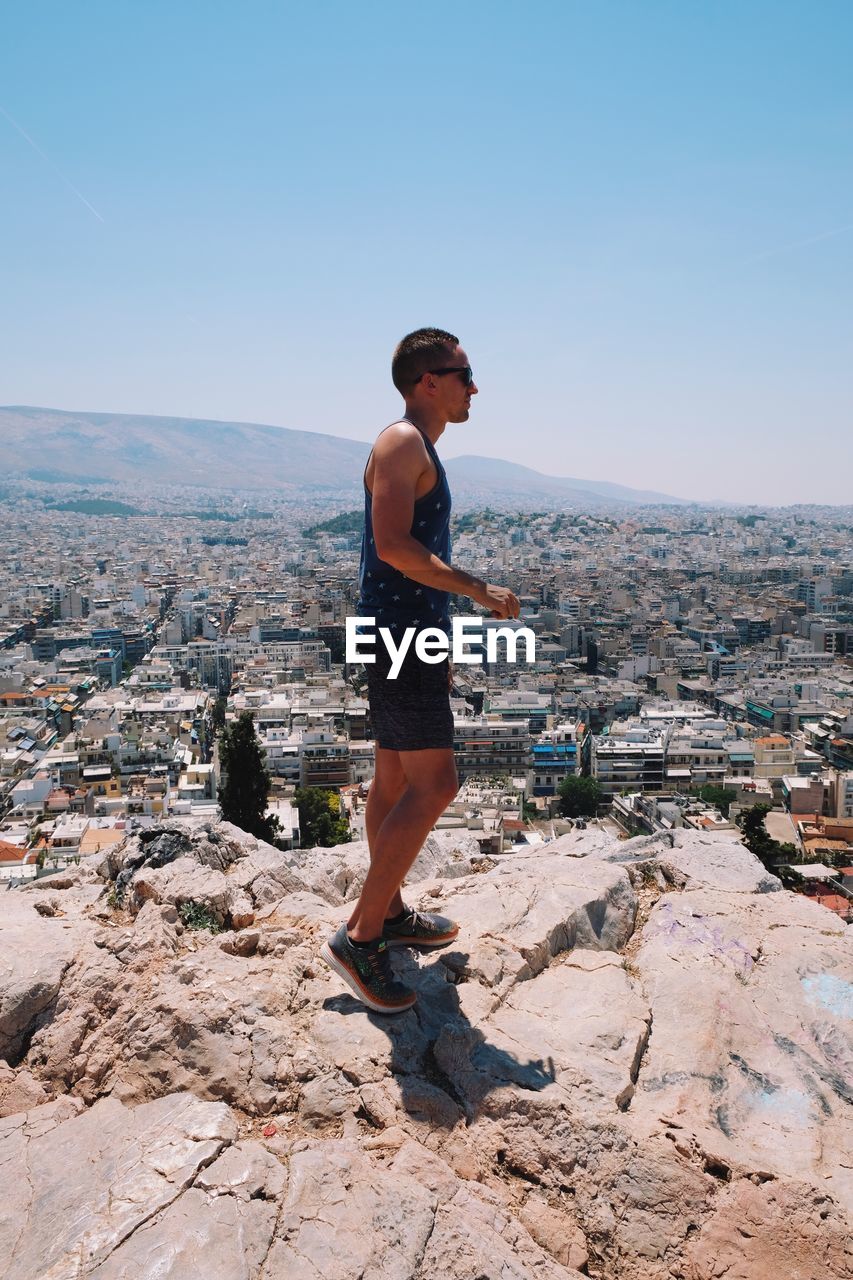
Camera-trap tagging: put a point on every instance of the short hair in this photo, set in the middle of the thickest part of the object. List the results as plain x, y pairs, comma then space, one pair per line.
417, 353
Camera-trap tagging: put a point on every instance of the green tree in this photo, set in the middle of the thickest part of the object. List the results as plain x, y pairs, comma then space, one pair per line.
722, 797
757, 838
246, 782
321, 821
217, 715
579, 797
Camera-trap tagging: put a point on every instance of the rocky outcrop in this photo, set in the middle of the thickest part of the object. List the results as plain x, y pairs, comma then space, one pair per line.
40, 941
636, 1063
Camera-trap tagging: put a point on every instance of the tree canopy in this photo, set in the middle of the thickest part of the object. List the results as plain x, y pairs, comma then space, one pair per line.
245, 784
759, 841
321, 821
579, 797
721, 797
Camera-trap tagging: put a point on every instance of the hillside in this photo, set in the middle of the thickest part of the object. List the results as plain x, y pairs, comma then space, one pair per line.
495, 476
635, 1065
123, 448
56, 446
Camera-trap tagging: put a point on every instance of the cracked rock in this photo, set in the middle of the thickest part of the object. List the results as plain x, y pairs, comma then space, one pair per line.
127, 1167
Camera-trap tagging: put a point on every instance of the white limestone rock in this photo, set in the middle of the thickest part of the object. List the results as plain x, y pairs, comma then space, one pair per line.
474, 1235
74, 1191
751, 1055
34, 959
224, 1221
346, 1218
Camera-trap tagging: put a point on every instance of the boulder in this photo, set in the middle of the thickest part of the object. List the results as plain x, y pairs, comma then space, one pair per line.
750, 1057
37, 951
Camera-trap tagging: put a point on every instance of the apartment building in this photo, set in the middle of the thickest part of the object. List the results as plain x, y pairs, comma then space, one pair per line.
555, 757
324, 759
485, 746
706, 753
630, 756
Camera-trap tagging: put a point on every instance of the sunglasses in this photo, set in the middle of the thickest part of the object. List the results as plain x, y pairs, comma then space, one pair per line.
466, 373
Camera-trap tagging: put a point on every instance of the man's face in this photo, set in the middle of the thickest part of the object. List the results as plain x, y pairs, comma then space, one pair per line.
450, 390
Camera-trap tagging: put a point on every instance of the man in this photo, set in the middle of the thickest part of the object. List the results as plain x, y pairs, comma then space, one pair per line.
406, 580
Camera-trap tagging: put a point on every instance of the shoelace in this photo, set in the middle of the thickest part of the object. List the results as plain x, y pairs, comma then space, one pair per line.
380, 962
421, 922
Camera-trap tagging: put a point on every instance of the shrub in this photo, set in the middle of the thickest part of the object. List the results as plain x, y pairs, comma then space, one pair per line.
195, 915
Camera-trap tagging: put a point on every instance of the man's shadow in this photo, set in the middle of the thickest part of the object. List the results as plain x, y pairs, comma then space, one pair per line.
445, 1067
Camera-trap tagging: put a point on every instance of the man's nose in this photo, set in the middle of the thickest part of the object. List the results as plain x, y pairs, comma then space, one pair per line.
474, 389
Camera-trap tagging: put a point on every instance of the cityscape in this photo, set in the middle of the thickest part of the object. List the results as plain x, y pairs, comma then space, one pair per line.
694, 662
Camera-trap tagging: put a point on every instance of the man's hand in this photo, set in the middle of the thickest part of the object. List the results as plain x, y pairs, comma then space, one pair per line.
500, 601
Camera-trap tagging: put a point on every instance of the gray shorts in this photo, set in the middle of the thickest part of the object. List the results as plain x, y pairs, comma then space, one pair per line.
411, 713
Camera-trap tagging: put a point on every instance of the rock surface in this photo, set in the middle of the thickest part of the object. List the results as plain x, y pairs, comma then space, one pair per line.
636, 1064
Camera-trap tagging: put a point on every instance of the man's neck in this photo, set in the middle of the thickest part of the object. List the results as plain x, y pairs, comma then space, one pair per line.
432, 427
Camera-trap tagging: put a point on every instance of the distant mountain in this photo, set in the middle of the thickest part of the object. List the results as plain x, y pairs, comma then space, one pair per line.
126, 448
493, 475
59, 446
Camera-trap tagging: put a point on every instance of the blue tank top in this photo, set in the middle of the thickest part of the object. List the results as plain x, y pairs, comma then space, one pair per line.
385, 593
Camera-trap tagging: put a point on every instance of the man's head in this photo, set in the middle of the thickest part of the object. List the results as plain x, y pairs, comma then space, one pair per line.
431, 371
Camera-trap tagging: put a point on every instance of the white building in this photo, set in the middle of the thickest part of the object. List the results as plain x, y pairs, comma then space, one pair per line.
843, 794
484, 746
630, 757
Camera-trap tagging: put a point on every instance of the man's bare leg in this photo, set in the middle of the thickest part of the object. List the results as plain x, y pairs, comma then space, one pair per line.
389, 783
430, 785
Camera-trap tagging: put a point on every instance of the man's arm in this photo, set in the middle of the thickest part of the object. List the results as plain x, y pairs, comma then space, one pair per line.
399, 460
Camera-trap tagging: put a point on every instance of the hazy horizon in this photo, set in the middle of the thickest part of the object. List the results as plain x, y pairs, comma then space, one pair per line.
638, 220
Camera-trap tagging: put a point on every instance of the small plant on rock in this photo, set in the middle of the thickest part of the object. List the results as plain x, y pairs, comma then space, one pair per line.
195, 915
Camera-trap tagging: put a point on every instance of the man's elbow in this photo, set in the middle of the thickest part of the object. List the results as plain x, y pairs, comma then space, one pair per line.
393, 553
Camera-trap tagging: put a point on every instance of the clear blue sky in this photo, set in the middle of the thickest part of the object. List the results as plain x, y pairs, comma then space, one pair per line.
638, 216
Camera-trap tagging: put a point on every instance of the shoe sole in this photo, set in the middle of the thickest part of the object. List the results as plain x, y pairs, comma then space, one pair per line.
420, 944
328, 955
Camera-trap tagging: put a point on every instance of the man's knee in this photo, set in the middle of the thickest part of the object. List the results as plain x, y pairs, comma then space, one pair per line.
438, 786
389, 780
447, 786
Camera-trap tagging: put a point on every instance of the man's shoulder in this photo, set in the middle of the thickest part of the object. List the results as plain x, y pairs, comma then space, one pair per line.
399, 437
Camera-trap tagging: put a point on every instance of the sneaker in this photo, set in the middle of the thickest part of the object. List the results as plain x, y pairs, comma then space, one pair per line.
367, 973
420, 929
